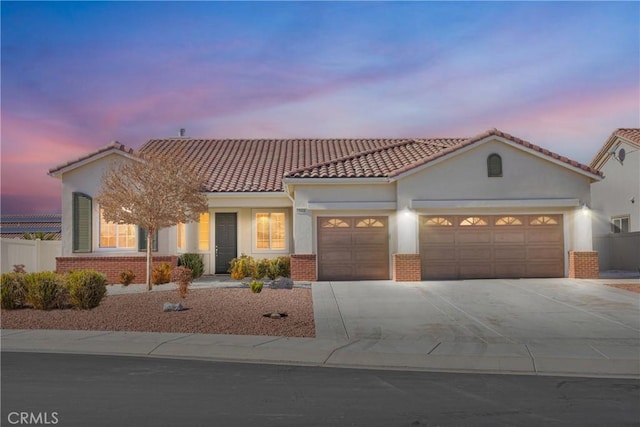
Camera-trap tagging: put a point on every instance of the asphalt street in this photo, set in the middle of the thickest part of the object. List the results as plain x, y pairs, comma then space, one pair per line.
90, 390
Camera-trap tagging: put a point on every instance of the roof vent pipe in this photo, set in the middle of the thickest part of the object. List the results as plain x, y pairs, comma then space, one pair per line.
182, 132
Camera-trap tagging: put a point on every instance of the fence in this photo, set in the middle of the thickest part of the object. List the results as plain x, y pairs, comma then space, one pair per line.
619, 251
36, 255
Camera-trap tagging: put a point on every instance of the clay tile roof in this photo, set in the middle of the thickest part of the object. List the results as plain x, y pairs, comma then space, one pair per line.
405, 155
115, 145
631, 135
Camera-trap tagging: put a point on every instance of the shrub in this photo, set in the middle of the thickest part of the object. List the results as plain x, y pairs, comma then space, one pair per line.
127, 277
161, 274
182, 276
279, 267
45, 290
86, 288
256, 286
13, 290
193, 262
260, 269
242, 267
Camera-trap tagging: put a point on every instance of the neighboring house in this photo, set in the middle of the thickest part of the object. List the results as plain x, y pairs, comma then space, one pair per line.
616, 201
15, 226
350, 209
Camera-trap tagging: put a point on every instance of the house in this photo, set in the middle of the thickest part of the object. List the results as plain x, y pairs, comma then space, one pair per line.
17, 226
616, 201
406, 209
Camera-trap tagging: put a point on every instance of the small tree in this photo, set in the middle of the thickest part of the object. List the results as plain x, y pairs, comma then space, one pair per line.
38, 235
154, 192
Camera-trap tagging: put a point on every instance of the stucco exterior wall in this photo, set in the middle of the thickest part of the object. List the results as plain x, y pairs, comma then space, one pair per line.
612, 196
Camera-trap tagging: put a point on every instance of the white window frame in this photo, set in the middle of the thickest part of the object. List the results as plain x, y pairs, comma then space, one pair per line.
134, 248
616, 224
254, 231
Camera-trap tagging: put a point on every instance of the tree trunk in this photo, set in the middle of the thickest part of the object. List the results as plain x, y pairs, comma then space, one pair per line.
149, 256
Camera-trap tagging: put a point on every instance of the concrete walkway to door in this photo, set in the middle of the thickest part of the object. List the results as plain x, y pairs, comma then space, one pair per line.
550, 325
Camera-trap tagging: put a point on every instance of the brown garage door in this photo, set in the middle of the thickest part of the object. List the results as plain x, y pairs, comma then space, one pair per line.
491, 246
353, 248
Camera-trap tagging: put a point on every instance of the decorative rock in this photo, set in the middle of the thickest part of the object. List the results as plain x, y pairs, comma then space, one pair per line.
281, 283
275, 315
172, 307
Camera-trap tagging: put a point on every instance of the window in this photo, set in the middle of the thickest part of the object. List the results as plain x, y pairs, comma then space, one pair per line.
334, 222
438, 220
494, 166
369, 222
182, 235
473, 220
81, 223
620, 224
543, 220
508, 220
203, 232
270, 231
112, 235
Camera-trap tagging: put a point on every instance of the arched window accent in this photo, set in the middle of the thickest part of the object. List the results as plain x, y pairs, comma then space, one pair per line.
334, 222
508, 220
438, 220
369, 222
494, 165
543, 220
473, 220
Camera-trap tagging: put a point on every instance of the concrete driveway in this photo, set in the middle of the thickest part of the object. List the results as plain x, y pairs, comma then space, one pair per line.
546, 312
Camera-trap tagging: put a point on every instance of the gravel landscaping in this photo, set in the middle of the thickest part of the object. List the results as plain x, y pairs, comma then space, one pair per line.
208, 311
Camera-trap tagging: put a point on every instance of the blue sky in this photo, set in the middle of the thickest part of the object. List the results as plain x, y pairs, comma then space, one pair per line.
78, 75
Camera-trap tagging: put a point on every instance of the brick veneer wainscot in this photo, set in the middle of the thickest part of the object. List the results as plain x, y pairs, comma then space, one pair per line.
112, 266
407, 268
303, 267
583, 265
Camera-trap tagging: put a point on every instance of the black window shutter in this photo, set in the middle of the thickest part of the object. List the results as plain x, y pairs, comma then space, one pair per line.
142, 240
82, 224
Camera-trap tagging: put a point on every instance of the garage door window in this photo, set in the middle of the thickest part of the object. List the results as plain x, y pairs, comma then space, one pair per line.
543, 220
438, 221
334, 223
473, 221
369, 222
508, 220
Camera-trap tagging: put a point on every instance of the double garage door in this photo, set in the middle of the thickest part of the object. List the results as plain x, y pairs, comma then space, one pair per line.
353, 248
495, 246
451, 247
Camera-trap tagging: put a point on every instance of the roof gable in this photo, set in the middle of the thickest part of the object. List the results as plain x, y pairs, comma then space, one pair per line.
630, 136
114, 147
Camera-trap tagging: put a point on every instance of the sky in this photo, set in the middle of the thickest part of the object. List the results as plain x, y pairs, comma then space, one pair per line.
76, 76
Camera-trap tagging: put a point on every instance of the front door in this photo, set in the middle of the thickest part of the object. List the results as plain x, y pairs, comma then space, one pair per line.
226, 241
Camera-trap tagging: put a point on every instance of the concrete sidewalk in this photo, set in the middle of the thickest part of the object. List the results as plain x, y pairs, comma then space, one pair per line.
424, 355
531, 327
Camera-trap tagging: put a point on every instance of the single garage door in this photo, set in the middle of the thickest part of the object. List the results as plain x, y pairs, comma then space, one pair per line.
494, 246
353, 248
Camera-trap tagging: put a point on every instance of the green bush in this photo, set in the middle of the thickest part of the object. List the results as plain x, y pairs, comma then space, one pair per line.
242, 267
127, 277
45, 290
13, 290
193, 262
86, 288
161, 274
279, 267
256, 286
260, 269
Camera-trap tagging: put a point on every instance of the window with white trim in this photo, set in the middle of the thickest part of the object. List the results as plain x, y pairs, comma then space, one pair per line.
181, 237
620, 224
120, 236
270, 231
203, 232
